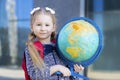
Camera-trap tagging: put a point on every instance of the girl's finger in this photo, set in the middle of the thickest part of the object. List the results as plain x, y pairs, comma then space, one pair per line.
82, 68
78, 68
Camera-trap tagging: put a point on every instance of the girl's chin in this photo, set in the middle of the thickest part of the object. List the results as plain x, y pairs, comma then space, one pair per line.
43, 37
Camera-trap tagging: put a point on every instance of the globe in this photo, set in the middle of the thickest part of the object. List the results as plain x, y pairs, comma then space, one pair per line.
79, 41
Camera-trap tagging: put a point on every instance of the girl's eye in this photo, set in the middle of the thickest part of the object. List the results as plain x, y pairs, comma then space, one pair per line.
47, 24
38, 24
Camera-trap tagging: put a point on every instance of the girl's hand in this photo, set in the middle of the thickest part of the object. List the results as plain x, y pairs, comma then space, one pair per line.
78, 68
64, 70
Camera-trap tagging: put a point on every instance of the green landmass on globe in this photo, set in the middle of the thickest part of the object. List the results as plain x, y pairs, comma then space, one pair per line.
78, 41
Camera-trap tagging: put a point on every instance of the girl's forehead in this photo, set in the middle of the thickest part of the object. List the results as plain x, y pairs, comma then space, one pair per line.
43, 17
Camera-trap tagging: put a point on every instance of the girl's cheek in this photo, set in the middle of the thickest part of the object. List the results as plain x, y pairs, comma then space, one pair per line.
36, 28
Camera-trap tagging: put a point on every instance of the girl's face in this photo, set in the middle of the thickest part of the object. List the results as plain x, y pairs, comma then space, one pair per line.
43, 27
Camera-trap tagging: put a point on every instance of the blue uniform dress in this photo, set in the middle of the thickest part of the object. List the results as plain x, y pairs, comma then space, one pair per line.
50, 59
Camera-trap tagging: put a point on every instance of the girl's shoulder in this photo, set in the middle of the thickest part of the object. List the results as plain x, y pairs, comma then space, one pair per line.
38, 45
40, 48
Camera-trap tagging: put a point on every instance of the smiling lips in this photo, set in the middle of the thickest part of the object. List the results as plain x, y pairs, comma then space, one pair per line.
43, 33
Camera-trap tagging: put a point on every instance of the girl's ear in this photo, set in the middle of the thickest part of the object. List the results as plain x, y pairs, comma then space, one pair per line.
31, 28
54, 28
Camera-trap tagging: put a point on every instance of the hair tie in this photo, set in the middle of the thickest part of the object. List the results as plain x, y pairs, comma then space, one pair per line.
34, 9
51, 10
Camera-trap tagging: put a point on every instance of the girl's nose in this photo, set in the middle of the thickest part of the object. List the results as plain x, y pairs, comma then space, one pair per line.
43, 28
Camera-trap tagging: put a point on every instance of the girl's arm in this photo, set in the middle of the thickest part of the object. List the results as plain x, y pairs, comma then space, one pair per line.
64, 70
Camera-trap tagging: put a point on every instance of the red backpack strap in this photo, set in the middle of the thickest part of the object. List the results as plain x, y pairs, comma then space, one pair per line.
39, 48
27, 77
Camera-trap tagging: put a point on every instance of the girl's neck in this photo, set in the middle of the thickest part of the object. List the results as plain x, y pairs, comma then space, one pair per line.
45, 41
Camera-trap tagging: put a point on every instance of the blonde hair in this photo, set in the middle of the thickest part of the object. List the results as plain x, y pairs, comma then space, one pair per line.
37, 60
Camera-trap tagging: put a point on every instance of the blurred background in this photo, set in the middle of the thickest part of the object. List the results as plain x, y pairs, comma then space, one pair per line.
14, 28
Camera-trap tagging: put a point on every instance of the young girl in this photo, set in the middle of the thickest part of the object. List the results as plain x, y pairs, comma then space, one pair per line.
40, 59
